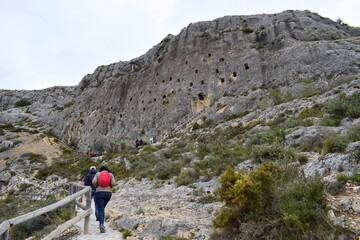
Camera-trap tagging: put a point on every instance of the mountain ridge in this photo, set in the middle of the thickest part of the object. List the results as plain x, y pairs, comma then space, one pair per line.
187, 73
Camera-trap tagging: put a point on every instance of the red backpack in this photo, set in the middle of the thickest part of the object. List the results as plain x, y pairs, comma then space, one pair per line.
104, 179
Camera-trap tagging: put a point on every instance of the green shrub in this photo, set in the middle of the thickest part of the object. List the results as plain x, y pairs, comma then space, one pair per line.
36, 158
272, 202
334, 144
274, 152
344, 106
27, 229
303, 159
302, 207
167, 169
275, 94
308, 90
310, 112
126, 233
244, 193
8, 126
355, 176
186, 177
22, 103
342, 177
354, 133
329, 122
276, 135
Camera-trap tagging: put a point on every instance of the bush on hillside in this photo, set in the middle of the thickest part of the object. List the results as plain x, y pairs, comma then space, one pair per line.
275, 152
271, 203
344, 106
334, 144
22, 103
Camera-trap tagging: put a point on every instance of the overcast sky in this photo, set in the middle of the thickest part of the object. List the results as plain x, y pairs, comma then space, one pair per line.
45, 43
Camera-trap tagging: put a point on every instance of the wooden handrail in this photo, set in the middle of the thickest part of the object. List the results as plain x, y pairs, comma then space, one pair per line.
4, 226
66, 225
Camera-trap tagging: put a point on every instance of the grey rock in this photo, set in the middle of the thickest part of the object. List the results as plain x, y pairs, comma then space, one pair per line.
230, 63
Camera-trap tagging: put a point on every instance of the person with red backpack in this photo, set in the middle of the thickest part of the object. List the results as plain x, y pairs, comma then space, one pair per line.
103, 181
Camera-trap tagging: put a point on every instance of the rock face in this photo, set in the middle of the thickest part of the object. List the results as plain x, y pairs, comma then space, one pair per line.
212, 69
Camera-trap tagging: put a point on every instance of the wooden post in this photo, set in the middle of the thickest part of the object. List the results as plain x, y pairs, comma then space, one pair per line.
88, 206
4, 230
73, 206
5, 236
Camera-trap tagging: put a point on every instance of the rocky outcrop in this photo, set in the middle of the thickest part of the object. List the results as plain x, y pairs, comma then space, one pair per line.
212, 69
152, 209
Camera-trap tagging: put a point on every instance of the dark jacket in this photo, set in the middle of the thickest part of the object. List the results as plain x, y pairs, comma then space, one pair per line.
88, 179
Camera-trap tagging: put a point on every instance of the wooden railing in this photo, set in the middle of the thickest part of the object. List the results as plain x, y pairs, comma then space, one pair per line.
76, 191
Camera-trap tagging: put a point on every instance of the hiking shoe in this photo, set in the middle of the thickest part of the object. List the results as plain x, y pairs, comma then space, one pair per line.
102, 229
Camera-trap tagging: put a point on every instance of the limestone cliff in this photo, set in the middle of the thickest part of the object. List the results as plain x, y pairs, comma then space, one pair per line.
210, 70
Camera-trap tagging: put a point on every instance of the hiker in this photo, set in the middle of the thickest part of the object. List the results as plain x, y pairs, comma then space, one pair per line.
103, 181
88, 182
137, 143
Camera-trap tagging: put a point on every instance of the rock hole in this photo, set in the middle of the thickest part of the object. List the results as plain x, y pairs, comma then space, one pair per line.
130, 99
164, 96
209, 55
178, 79
202, 82
191, 84
170, 78
217, 71
154, 99
246, 66
234, 74
201, 96
186, 62
196, 71
221, 59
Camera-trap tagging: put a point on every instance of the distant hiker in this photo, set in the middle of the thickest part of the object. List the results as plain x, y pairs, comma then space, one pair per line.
141, 142
88, 182
137, 143
104, 181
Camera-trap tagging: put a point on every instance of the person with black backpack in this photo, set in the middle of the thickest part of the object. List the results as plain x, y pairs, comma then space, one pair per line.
88, 182
103, 181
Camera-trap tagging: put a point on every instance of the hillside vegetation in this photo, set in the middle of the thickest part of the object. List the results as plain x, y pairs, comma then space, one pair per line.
264, 183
